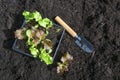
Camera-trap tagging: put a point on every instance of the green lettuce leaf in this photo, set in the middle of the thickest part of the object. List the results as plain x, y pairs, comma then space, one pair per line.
28, 33
44, 56
34, 51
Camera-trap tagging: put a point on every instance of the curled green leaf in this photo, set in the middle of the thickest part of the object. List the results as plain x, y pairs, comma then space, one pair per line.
28, 33
45, 23
37, 16
28, 16
48, 22
42, 23
34, 51
44, 56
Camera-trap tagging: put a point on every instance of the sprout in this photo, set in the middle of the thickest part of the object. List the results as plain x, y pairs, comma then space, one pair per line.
20, 33
34, 51
28, 33
58, 30
64, 64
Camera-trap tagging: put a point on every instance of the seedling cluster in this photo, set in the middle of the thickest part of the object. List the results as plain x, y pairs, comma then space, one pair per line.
36, 36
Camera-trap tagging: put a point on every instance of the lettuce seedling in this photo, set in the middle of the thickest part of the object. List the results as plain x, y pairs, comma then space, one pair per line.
64, 64
20, 33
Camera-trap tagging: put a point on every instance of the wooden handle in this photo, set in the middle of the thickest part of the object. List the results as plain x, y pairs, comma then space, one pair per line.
65, 26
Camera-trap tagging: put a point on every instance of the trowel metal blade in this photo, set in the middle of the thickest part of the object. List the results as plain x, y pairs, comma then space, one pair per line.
84, 44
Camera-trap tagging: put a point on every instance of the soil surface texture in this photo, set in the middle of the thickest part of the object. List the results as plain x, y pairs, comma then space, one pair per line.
97, 20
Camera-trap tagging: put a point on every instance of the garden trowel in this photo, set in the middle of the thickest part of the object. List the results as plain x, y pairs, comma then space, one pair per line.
79, 40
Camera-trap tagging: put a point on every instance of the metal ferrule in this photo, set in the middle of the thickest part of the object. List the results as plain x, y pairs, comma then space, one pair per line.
78, 38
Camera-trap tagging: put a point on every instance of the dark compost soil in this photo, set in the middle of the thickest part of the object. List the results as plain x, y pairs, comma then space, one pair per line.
97, 20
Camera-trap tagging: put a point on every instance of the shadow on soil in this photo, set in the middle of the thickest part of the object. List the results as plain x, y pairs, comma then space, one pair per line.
9, 33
